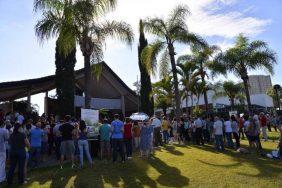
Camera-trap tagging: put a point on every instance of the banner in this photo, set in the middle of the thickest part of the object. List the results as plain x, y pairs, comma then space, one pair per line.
91, 117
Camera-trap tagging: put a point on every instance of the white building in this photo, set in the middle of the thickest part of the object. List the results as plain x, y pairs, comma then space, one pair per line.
258, 87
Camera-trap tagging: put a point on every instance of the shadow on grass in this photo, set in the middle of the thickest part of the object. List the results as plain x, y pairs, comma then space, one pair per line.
266, 167
130, 174
172, 150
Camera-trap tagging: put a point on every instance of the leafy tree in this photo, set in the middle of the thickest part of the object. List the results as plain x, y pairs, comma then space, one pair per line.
202, 57
80, 24
228, 89
248, 55
170, 31
275, 93
65, 81
146, 98
187, 71
163, 93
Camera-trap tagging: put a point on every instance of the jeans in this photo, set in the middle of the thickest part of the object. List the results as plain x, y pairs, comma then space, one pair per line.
17, 157
206, 135
128, 147
157, 136
166, 136
58, 141
241, 132
118, 146
2, 166
219, 142
237, 139
137, 141
264, 133
199, 136
83, 146
229, 139
35, 156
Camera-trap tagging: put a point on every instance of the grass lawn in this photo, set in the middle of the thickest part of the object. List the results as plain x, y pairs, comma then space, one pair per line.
171, 166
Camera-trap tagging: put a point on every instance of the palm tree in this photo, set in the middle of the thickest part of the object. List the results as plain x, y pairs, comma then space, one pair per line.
203, 58
229, 89
163, 93
170, 31
186, 69
246, 56
78, 22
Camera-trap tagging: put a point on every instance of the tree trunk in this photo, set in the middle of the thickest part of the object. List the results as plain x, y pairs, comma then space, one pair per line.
164, 111
232, 103
192, 104
205, 93
87, 81
187, 108
246, 86
175, 81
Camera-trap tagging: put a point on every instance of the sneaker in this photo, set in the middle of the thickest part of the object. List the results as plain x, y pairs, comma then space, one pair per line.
61, 167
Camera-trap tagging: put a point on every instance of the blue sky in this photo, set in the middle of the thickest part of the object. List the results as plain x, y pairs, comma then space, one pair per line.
218, 21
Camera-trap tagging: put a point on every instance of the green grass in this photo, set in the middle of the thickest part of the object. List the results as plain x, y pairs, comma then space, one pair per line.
171, 166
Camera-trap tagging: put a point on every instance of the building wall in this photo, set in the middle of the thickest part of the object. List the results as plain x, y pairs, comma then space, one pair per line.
259, 84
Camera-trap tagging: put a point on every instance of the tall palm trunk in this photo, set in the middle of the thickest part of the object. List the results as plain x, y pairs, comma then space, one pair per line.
87, 81
205, 92
192, 104
187, 108
247, 92
87, 49
232, 102
175, 81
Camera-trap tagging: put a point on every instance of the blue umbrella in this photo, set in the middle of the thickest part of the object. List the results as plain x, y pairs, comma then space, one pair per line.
139, 116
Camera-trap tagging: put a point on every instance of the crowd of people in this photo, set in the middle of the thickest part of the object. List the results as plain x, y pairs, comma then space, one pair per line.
27, 143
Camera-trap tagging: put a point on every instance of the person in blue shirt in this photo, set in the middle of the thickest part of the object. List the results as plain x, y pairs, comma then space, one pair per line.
35, 144
117, 128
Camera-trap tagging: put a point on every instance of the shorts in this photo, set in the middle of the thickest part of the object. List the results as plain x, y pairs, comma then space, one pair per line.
67, 147
105, 146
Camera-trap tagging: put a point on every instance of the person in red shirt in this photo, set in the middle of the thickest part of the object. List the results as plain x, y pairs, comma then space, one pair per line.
127, 136
263, 125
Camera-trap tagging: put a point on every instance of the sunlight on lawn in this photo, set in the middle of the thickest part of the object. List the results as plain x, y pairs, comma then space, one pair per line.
171, 166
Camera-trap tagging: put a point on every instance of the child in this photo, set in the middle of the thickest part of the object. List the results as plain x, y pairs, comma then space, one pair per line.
136, 134
146, 139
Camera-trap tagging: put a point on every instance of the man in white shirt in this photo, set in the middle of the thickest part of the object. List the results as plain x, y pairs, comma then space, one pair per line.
218, 133
156, 123
228, 132
199, 131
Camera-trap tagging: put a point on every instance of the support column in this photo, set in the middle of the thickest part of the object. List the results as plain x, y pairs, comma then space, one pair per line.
12, 106
28, 101
46, 103
123, 106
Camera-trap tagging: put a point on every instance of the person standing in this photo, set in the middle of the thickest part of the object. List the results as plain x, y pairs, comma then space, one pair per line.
136, 134
241, 123
58, 139
165, 125
105, 137
156, 123
263, 125
199, 131
117, 127
20, 118
218, 133
146, 138
128, 138
35, 143
18, 142
83, 144
4, 136
235, 130
67, 145
228, 132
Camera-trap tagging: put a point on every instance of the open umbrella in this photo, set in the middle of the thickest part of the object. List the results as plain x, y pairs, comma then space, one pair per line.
139, 116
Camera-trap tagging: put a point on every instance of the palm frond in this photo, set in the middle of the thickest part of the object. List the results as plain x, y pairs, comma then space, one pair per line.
164, 64
149, 56
155, 26
47, 5
190, 38
119, 30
